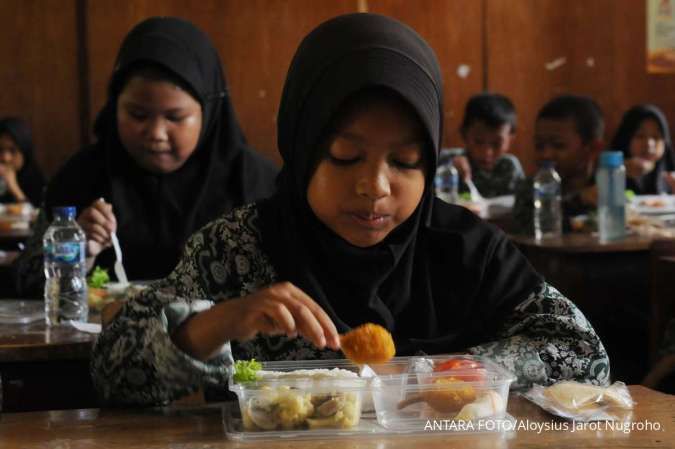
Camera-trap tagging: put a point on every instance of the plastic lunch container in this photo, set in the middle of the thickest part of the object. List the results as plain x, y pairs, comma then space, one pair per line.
308, 395
435, 390
398, 397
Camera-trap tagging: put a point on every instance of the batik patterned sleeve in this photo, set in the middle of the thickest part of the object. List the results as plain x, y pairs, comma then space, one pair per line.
545, 339
28, 269
135, 361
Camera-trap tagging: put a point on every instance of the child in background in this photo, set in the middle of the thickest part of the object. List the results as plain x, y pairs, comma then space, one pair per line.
487, 129
169, 156
353, 234
21, 180
644, 138
568, 131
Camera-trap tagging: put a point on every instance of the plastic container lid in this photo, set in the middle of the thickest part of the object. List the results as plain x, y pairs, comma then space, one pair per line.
611, 159
65, 211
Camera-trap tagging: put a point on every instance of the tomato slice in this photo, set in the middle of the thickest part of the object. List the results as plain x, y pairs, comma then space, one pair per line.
469, 370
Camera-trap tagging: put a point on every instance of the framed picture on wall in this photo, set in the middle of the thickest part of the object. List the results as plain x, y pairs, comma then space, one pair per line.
660, 36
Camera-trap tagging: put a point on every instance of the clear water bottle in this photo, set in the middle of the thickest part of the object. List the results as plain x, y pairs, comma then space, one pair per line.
611, 181
547, 202
447, 182
65, 269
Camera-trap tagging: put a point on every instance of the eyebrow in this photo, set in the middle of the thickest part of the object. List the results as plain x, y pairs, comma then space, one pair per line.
134, 105
358, 139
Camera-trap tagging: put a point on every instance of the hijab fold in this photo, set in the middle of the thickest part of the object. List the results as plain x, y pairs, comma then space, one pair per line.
433, 275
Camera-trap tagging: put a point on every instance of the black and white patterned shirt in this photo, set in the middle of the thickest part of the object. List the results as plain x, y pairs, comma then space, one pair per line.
545, 338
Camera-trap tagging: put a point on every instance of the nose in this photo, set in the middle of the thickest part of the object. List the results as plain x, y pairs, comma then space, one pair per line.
374, 182
156, 130
651, 144
5, 157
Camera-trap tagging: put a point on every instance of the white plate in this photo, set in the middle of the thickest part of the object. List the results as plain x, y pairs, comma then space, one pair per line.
654, 204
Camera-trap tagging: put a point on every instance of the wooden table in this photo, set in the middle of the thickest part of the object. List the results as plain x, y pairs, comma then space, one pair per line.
202, 427
610, 284
44, 368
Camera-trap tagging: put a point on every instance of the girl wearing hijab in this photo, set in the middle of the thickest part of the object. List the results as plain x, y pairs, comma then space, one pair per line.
644, 138
21, 180
169, 157
352, 235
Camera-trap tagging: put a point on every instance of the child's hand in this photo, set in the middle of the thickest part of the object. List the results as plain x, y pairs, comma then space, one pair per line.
281, 309
636, 167
462, 165
8, 173
670, 179
98, 221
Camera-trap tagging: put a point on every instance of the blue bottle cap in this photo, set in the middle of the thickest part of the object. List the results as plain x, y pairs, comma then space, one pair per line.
611, 159
67, 212
547, 164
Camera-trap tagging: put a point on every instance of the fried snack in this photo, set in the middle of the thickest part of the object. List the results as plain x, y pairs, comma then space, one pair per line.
368, 343
449, 395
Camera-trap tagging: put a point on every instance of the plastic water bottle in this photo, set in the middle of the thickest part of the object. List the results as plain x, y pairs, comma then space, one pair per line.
65, 269
611, 181
547, 207
447, 182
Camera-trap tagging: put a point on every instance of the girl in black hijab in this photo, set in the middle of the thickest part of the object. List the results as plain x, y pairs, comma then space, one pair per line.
21, 180
169, 155
353, 234
644, 138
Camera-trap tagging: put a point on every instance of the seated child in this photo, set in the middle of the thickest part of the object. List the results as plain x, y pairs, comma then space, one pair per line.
21, 178
353, 234
169, 156
487, 129
644, 138
568, 131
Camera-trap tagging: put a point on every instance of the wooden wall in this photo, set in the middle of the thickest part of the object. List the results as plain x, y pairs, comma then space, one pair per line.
59, 54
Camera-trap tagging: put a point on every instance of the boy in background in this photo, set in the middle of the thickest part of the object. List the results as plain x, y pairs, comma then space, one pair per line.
568, 131
488, 128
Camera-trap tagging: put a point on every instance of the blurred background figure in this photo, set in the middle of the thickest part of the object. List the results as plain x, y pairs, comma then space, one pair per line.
644, 138
21, 179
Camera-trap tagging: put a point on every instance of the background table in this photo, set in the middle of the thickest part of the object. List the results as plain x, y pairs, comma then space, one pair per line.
45, 368
202, 426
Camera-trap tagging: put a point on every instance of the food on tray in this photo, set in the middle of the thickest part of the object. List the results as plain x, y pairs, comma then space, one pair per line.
368, 343
18, 208
102, 292
286, 407
489, 403
574, 396
653, 202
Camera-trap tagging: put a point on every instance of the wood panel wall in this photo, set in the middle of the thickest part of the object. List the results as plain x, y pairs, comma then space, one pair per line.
504, 44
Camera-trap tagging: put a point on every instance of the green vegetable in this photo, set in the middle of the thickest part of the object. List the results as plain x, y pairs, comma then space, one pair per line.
465, 196
98, 278
630, 195
245, 370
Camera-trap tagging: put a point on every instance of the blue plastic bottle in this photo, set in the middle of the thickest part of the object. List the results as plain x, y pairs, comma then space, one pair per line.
611, 181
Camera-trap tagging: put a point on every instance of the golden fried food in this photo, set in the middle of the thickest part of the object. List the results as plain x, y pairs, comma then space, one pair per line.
368, 343
448, 394
452, 394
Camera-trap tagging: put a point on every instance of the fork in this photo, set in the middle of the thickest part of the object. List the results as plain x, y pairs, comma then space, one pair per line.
118, 267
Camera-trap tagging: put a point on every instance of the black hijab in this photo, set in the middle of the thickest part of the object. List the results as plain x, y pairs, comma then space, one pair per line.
443, 278
652, 182
30, 177
156, 213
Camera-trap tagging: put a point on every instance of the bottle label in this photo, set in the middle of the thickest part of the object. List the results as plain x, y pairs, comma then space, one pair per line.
546, 190
67, 252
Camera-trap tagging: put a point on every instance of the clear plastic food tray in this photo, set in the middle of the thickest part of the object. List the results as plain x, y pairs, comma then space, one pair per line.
301, 406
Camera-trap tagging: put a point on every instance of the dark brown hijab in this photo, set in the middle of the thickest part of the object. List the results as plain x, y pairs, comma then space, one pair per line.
30, 177
157, 212
441, 280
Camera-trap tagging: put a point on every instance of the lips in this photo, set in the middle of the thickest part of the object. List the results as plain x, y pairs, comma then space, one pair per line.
370, 220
